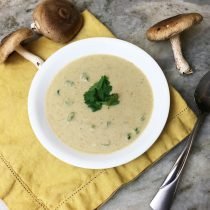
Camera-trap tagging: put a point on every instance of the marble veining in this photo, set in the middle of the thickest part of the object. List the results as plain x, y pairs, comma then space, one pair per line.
129, 19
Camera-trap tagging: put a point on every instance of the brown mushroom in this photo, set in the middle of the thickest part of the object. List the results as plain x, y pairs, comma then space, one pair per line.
12, 42
59, 20
170, 29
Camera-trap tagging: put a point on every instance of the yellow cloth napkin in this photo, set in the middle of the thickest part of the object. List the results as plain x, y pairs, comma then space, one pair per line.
30, 177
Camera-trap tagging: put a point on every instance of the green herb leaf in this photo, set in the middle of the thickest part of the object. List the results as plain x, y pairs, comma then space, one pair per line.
129, 136
99, 94
84, 77
70, 116
143, 117
58, 92
136, 130
69, 83
93, 126
113, 99
106, 144
108, 123
68, 101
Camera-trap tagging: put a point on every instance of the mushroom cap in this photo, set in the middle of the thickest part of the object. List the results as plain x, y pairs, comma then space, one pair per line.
57, 20
12, 40
172, 26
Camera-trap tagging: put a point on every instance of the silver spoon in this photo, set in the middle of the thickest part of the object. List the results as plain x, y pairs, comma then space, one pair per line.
165, 196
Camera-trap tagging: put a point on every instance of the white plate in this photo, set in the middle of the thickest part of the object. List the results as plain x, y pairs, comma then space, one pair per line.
91, 46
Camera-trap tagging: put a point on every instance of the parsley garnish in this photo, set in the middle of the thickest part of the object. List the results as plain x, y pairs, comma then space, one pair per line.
99, 94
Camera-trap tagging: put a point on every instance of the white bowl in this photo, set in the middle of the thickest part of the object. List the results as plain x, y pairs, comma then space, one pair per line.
91, 46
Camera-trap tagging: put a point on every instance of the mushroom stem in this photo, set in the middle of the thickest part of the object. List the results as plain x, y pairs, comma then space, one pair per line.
181, 64
37, 61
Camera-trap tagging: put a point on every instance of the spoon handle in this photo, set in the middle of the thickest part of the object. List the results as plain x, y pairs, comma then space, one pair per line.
165, 195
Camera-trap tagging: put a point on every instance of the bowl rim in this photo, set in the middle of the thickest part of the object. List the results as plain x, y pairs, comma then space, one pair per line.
92, 46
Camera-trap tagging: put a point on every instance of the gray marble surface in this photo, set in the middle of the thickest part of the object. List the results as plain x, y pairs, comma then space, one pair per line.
129, 19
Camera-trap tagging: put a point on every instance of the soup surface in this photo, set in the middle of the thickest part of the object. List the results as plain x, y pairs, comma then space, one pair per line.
110, 128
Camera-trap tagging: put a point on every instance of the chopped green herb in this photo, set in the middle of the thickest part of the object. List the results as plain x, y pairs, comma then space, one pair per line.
58, 92
69, 83
84, 76
68, 101
129, 136
108, 123
136, 130
99, 94
106, 144
93, 126
142, 117
70, 116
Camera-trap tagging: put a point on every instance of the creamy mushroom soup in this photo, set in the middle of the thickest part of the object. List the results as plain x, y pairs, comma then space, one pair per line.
100, 126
